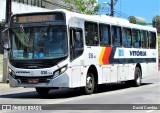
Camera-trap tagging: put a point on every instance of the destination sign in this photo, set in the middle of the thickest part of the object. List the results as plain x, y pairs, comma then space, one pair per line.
37, 18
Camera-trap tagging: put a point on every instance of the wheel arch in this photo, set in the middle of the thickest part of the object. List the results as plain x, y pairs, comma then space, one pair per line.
92, 69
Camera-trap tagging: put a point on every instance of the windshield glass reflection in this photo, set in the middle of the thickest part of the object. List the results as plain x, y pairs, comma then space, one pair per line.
38, 42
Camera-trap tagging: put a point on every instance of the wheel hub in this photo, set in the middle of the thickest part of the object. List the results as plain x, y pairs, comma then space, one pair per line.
89, 82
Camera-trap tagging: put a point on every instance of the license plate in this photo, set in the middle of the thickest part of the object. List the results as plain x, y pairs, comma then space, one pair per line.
33, 81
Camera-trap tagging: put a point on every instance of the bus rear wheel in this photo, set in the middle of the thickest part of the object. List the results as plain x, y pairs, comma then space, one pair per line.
90, 84
137, 77
42, 91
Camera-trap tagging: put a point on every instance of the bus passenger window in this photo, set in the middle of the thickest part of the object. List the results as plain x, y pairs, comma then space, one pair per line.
105, 39
126, 37
136, 38
152, 41
91, 32
144, 38
116, 36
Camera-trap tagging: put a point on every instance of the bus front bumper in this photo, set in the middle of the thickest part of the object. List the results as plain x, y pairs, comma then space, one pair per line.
60, 81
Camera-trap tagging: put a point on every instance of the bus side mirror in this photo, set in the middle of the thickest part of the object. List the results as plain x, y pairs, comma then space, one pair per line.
5, 39
6, 46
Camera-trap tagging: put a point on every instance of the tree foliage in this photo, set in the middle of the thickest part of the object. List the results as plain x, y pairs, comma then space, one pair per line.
156, 23
86, 7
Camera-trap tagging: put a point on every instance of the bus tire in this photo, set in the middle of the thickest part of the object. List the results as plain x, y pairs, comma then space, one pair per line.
137, 77
42, 91
90, 84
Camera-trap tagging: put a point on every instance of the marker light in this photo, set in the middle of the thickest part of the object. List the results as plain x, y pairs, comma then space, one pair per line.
11, 72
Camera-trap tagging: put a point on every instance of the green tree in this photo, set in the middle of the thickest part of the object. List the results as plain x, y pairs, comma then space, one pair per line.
156, 23
85, 7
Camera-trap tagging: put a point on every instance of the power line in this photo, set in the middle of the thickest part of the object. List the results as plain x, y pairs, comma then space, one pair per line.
121, 13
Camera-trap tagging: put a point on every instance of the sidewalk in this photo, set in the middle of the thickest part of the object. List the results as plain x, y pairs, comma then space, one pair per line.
3, 85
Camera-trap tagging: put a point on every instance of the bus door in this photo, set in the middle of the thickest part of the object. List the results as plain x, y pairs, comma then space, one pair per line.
76, 59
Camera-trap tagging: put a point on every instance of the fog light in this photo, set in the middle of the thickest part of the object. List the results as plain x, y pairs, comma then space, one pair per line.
56, 73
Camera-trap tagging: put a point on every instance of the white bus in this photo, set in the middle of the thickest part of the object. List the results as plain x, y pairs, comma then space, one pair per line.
65, 49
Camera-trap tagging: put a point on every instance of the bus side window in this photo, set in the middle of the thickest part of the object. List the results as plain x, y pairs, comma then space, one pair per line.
105, 39
136, 38
152, 40
144, 38
91, 32
116, 36
126, 37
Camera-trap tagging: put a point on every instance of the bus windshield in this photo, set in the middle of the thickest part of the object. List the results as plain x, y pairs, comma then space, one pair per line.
47, 42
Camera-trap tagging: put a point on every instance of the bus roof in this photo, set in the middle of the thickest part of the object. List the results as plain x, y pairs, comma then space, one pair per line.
108, 20
99, 18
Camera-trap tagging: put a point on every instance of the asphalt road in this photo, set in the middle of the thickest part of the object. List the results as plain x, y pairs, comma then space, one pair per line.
147, 93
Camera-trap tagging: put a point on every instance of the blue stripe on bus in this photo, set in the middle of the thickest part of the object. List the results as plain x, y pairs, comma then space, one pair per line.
128, 60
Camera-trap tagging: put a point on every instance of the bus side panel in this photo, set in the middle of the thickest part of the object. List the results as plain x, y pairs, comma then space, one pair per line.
114, 73
83, 76
100, 74
153, 65
106, 74
131, 71
152, 69
76, 67
123, 72
144, 67
76, 75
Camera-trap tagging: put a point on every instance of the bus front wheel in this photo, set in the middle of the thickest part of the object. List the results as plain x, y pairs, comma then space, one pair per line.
90, 84
42, 91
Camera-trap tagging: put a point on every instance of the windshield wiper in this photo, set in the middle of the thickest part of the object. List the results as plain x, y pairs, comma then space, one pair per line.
22, 30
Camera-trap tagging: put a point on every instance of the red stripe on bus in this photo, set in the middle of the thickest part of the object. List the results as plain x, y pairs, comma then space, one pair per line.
105, 58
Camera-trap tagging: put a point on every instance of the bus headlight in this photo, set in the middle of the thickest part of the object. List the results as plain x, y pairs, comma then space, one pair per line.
59, 71
11, 72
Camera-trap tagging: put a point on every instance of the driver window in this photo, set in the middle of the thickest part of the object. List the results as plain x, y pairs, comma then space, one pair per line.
76, 43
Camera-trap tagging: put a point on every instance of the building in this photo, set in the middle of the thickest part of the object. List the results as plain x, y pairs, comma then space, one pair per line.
48, 4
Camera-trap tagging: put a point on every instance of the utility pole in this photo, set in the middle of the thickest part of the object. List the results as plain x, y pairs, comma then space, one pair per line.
8, 11
5, 55
112, 7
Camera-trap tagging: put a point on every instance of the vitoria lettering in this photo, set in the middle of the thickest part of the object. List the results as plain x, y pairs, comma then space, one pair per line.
137, 53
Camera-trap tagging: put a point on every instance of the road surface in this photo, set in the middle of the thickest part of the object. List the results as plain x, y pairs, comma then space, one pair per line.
147, 93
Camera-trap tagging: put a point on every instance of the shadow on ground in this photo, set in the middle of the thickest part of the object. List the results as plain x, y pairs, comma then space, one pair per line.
68, 93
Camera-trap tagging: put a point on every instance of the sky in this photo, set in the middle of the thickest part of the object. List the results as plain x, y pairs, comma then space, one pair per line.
142, 8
